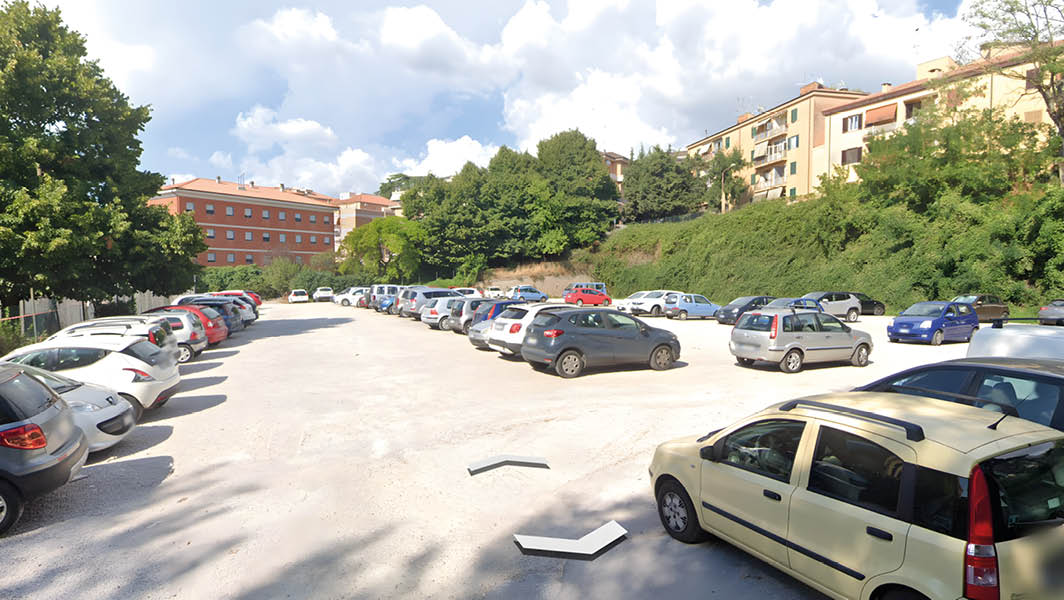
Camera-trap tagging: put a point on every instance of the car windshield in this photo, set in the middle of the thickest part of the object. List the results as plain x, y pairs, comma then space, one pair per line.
923, 309
1057, 303
813, 295
755, 322
1030, 486
742, 300
965, 299
637, 295
57, 382
784, 302
513, 313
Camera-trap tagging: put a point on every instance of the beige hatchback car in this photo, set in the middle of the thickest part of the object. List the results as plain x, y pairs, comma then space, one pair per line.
876, 496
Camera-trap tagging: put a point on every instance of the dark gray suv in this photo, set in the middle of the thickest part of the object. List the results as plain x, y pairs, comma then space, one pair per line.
41, 448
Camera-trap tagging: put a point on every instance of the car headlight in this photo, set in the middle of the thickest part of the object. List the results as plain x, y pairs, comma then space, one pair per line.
926, 324
80, 406
891, 324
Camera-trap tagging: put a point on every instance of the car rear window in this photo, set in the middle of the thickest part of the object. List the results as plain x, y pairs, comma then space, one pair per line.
1030, 485
742, 300
755, 322
513, 313
210, 313
443, 294
144, 351
545, 320
22, 397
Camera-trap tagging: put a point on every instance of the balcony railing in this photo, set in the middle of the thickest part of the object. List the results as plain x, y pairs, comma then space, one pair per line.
770, 182
773, 129
773, 155
881, 129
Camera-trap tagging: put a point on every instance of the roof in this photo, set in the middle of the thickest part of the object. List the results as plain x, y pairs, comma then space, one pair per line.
366, 198
615, 156
114, 343
1037, 366
231, 188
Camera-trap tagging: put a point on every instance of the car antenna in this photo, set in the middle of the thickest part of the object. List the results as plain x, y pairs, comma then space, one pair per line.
995, 424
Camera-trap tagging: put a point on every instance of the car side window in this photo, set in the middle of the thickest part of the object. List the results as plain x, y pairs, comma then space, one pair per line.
1029, 398
41, 359
856, 471
589, 320
941, 502
830, 324
933, 383
963, 310
806, 322
701, 300
767, 448
619, 321
952, 310
72, 358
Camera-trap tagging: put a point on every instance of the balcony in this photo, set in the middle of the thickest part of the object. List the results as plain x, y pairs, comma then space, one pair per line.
775, 154
881, 129
774, 129
770, 182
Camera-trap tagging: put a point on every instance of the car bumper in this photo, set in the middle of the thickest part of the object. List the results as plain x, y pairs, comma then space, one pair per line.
151, 393
54, 475
756, 352
478, 340
920, 335
536, 354
431, 319
504, 346
727, 319
199, 345
106, 427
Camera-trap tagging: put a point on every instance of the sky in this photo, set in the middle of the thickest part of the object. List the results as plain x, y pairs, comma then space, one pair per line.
336, 95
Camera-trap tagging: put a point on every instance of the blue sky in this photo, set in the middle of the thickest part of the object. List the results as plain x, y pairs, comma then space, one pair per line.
335, 95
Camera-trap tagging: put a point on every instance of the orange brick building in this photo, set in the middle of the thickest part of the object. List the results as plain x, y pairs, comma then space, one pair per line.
250, 224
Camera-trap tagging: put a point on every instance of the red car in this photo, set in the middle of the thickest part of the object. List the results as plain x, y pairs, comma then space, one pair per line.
254, 297
215, 328
582, 296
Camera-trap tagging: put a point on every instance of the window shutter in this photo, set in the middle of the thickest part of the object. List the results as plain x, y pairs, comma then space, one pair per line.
753, 132
794, 168
727, 142
794, 115
795, 141
793, 192
751, 155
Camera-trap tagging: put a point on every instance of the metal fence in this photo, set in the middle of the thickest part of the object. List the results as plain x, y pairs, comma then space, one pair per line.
39, 316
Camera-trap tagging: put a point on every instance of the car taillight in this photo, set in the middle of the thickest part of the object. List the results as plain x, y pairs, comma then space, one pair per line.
26, 437
515, 328
775, 330
980, 559
432, 311
210, 324
194, 336
552, 333
139, 376
1043, 308
151, 338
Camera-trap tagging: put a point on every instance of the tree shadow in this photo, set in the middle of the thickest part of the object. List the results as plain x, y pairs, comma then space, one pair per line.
217, 354
181, 406
141, 438
197, 367
197, 383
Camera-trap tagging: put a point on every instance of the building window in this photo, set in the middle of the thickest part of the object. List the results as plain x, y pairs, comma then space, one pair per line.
190, 206
299, 259
247, 236
249, 259
727, 142
210, 257
210, 233
281, 216
794, 167
230, 257
298, 217
210, 209
265, 214
313, 218
794, 115
852, 123
313, 239
228, 211
326, 240
1033, 75
266, 236
326, 219
792, 142
911, 108
753, 179
299, 239
247, 213
751, 156
230, 234
853, 155
283, 237
793, 192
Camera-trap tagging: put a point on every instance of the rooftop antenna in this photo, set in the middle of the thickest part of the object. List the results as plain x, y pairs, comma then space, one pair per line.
240, 180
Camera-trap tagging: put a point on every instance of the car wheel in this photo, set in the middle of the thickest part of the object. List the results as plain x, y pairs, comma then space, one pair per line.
184, 353
746, 362
677, 513
937, 337
971, 333
860, 356
345, 302
570, 364
465, 328
683, 315
138, 408
852, 314
11, 505
1005, 315
792, 362
655, 311
579, 302
606, 303
661, 358
878, 311
894, 340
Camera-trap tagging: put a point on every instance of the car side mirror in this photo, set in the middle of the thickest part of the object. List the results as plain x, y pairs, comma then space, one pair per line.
713, 453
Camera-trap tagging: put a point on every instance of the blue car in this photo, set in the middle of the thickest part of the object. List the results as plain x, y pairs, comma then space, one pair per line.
490, 310
528, 293
682, 306
802, 303
384, 303
934, 323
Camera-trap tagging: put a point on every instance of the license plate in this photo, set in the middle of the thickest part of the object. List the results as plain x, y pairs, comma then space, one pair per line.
532, 341
495, 347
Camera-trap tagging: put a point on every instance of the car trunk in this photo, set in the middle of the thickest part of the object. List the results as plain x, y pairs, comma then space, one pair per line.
23, 398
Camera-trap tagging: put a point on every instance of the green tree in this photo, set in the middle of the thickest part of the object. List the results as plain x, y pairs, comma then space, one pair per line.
724, 168
387, 248
278, 275
73, 217
572, 164
657, 185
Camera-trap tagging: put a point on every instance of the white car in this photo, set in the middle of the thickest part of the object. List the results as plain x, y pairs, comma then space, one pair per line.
140, 371
322, 294
469, 292
350, 296
494, 292
508, 331
298, 296
154, 328
625, 304
653, 303
1017, 341
99, 412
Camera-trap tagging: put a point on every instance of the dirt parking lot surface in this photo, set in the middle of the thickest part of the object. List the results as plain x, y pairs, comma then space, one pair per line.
322, 453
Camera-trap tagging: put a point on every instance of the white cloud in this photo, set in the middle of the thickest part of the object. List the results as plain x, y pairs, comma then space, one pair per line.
352, 170
444, 158
179, 178
222, 160
261, 130
290, 25
179, 153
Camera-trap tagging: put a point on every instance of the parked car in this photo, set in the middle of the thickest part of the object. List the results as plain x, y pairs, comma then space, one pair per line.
934, 322
469, 292
298, 296
840, 304
527, 293
874, 496
870, 306
987, 307
213, 322
508, 332
625, 304
1018, 341
1028, 388
478, 334
651, 303
793, 338
489, 311
413, 299
494, 292
435, 310
154, 328
249, 312
572, 339
462, 311
378, 291
729, 313
254, 297
243, 296
582, 296
799, 303
683, 306
594, 285
1052, 313
322, 294
141, 372
99, 412
189, 332
386, 304
349, 296
234, 320
41, 447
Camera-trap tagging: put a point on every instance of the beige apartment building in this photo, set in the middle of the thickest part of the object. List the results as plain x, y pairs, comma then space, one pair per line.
786, 145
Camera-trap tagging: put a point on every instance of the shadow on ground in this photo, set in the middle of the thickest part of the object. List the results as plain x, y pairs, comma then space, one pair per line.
141, 438
198, 367
273, 328
180, 406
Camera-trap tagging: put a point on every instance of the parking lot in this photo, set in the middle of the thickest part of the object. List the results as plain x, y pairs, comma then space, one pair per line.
326, 457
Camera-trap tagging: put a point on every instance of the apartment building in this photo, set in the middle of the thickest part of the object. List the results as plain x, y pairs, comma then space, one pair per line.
1001, 78
785, 145
357, 210
615, 164
250, 224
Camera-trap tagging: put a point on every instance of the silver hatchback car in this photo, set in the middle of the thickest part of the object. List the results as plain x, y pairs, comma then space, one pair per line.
791, 338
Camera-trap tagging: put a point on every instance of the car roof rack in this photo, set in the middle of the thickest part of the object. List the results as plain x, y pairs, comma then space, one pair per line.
913, 432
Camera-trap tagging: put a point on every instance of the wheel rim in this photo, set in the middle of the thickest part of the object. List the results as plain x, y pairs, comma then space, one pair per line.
793, 361
579, 302
571, 364
655, 311
683, 315
937, 338
853, 315
662, 357
674, 511
185, 355
862, 355
346, 303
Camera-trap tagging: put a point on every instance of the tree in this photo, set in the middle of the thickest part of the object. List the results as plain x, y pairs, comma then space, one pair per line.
1036, 29
573, 165
385, 248
657, 185
723, 168
73, 218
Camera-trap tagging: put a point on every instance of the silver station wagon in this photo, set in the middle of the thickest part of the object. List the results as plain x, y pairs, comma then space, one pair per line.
792, 337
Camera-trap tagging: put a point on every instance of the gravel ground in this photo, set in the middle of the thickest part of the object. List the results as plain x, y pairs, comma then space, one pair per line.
322, 453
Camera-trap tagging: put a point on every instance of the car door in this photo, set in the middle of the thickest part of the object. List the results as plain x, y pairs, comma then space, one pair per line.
805, 331
595, 340
630, 344
845, 527
702, 306
835, 337
746, 490
953, 326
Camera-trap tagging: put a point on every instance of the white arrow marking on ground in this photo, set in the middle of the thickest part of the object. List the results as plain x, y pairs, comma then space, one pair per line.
507, 459
587, 545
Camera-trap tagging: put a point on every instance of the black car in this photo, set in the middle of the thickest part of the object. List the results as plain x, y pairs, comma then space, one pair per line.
1030, 389
571, 340
870, 306
729, 313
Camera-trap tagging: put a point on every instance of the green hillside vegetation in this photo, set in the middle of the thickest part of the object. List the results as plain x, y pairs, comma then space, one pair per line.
959, 202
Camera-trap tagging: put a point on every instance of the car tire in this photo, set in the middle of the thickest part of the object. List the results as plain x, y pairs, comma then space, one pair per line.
579, 302
852, 314
860, 356
792, 361
971, 333
878, 311
184, 353
1005, 315
683, 315
661, 358
11, 505
655, 311
606, 303
746, 362
138, 408
894, 340
678, 514
937, 337
465, 328
570, 364
345, 302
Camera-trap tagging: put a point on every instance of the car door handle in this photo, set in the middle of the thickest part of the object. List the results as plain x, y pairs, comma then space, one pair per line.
772, 495
879, 533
